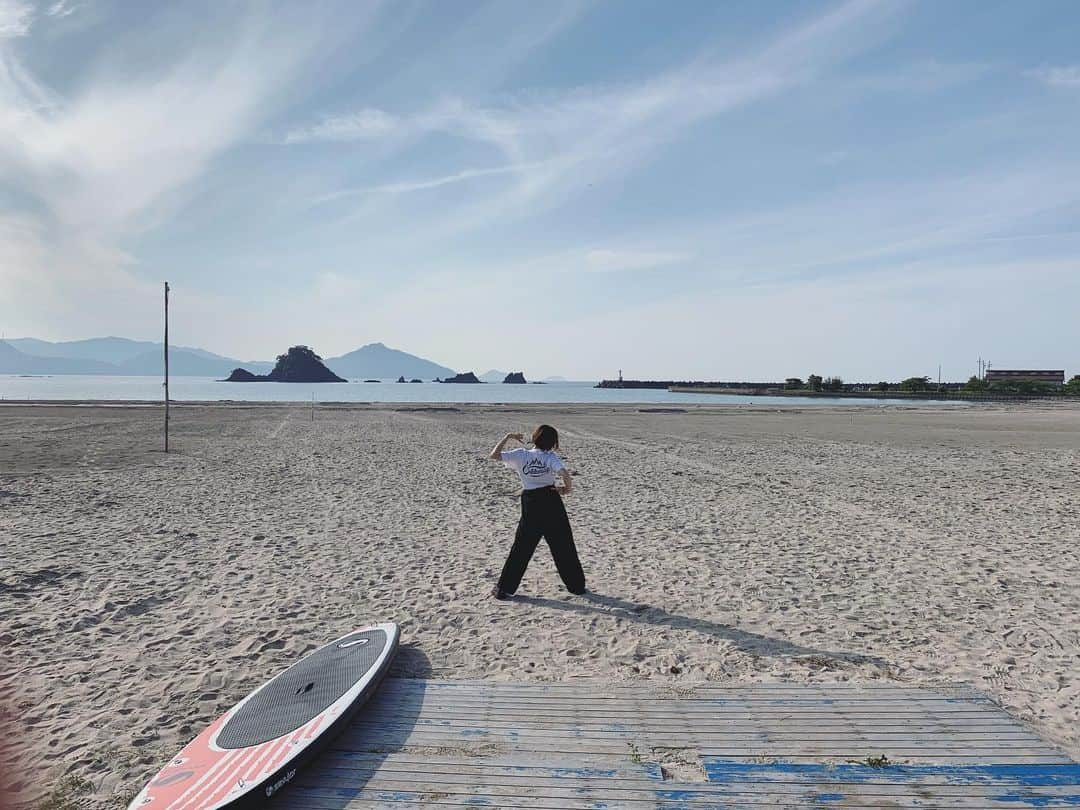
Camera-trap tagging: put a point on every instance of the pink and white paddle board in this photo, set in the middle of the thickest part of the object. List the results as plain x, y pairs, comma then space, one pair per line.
254, 750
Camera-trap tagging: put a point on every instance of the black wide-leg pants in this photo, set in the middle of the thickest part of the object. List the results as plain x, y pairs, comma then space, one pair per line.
543, 515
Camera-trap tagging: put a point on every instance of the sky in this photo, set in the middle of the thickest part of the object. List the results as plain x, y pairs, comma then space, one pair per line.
691, 190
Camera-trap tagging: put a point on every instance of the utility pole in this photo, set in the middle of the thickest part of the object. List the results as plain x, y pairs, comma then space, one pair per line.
166, 367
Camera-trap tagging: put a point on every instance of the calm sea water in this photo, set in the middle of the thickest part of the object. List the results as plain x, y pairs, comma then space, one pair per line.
201, 389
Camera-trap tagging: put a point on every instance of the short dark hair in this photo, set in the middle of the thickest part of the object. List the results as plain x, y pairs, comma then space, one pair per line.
546, 437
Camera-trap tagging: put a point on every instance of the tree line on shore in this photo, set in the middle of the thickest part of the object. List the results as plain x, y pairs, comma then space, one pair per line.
923, 385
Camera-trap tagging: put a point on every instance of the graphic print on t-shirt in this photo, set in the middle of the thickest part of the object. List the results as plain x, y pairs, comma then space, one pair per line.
535, 468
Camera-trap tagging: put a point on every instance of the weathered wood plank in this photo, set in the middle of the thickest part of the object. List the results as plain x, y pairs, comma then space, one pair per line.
735, 726
696, 711
607, 702
683, 690
772, 732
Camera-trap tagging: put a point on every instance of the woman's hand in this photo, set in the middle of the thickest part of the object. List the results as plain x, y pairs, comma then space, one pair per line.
567, 482
518, 436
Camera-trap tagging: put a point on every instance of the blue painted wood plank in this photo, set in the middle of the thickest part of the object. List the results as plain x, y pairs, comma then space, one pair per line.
719, 770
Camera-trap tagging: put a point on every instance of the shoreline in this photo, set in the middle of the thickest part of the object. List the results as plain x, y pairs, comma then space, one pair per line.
617, 405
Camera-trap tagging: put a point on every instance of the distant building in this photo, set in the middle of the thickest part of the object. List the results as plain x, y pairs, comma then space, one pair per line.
1026, 375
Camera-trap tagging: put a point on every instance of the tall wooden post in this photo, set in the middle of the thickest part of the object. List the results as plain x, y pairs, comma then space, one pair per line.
166, 367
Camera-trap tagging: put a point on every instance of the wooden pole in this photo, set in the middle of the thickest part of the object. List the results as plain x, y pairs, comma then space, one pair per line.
166, 367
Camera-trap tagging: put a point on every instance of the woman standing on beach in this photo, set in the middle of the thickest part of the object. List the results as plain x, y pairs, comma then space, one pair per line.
542, 511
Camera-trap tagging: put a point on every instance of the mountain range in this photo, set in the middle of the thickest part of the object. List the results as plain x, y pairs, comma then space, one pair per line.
122, 356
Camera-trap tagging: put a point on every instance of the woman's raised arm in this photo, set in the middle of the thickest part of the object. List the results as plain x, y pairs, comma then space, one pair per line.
496, 451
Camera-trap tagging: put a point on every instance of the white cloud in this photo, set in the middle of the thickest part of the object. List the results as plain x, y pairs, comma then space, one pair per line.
102, 160
117, 156
1060, 76
62, 8
608, 261
360, 125
16, 18
41, 281
406, 186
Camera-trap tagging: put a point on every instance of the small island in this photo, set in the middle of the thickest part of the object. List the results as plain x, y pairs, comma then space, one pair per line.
467, 377
515, 378
298, 365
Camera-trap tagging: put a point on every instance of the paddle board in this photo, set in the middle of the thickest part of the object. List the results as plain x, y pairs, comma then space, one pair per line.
255, 749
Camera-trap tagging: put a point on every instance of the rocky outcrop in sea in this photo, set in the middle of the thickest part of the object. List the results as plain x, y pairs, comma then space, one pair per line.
299, 364
467, 377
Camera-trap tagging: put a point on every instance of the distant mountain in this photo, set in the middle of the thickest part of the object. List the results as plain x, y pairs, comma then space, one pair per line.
106, 350
493, 376
13, 361
116, 355
186, 362
382, 362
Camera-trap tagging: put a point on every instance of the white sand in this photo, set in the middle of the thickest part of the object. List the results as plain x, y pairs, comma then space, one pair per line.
141, 595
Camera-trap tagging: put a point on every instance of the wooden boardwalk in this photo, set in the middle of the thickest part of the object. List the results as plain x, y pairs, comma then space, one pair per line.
427, 743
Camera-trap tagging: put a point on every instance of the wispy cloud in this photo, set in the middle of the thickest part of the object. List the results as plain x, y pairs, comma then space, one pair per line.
561, 141
500, 127
16, 18
604, 260
407, 186
1059, 76
62, 8
362, 125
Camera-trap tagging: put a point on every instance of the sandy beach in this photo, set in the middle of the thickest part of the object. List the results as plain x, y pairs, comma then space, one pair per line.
141, 594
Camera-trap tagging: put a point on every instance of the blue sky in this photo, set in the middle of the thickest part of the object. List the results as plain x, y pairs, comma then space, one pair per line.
737, 190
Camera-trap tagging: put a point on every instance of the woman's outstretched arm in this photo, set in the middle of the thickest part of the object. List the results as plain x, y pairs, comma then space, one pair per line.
496, 452
567, 482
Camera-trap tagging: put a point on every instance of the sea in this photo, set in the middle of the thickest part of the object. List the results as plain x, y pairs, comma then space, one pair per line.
205, 389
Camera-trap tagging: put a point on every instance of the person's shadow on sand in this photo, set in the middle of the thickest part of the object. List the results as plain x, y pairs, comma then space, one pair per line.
752, 643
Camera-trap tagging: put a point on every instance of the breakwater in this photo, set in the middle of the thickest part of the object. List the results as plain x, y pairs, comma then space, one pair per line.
940, 392
952, 394
694, 385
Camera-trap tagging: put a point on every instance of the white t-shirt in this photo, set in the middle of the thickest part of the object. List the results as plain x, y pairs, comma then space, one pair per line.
537, 468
